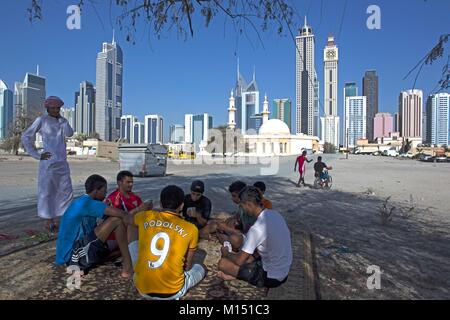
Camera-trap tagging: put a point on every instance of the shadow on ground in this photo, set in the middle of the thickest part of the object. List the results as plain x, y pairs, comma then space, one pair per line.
412, 251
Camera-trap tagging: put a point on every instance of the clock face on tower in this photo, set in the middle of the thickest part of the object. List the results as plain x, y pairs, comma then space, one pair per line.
331, 54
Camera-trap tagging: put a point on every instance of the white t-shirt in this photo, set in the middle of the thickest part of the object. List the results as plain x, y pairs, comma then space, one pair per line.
270, 235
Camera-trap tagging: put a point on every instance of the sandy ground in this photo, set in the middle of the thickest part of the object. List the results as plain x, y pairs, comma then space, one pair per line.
411, 251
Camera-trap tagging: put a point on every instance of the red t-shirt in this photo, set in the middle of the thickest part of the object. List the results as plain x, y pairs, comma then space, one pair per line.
119, 201
301, 163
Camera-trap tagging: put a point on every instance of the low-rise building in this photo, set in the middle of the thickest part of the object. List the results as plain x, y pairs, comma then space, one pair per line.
101, 149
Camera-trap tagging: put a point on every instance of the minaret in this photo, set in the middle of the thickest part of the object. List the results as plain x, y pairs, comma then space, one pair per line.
232, 113
265, 113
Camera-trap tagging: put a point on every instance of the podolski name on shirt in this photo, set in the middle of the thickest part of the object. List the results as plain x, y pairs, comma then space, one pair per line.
165, 224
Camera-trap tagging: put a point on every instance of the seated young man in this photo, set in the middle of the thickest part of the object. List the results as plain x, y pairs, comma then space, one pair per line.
269, 239
197, 207
162, 245
319, 167
262, 187
80, 241
124, 199
234, 228
232, 222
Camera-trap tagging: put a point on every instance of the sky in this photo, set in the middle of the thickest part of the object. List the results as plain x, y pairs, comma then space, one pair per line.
173, 76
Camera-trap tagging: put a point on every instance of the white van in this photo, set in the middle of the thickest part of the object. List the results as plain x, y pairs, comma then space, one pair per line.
392, 152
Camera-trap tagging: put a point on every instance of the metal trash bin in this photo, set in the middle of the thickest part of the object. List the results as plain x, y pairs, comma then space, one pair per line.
143, 160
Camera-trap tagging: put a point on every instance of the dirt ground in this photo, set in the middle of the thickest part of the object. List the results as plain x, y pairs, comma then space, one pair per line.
349, 237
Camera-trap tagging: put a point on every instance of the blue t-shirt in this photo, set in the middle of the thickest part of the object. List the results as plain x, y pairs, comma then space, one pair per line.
79, 220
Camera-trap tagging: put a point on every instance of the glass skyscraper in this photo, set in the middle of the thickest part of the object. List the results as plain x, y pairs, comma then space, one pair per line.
370, 91
6, 109
108, 98
246, 103
350, 90
29, 96
438, 106
355, 120
282, 110
307, 84
85, 108
197, 128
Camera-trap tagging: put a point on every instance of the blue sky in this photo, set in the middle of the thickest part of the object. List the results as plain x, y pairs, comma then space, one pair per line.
172, 76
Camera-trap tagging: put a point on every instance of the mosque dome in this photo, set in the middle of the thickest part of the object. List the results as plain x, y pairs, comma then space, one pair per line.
274, 127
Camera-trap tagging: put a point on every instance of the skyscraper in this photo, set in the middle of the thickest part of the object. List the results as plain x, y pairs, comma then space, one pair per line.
331, 59
250, 106
306, 82
330, 129
29, 96
370, 90
330, 121
282, 110
197, 128
241, 86
188, 125
85, 108
316, 109
69, 114
396, 122
425, 128
108, 98
383, 125
350, 90
257, 120
438, 109
176, 132
154, 129
6, 109
355, 120
127, 128
410, 113
138, 133
246, 103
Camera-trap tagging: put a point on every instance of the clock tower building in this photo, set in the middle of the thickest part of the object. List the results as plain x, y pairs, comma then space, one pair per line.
330, 121
331, 77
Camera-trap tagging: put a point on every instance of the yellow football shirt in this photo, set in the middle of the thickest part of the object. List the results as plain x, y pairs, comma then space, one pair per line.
164, 240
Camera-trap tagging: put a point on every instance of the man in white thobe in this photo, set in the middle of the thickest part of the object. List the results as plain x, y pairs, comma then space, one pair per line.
54, 184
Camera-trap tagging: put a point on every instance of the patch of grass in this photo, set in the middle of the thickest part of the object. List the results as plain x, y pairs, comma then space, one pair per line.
386, 212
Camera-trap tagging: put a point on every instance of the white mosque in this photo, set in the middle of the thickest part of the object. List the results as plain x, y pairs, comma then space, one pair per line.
274, 137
